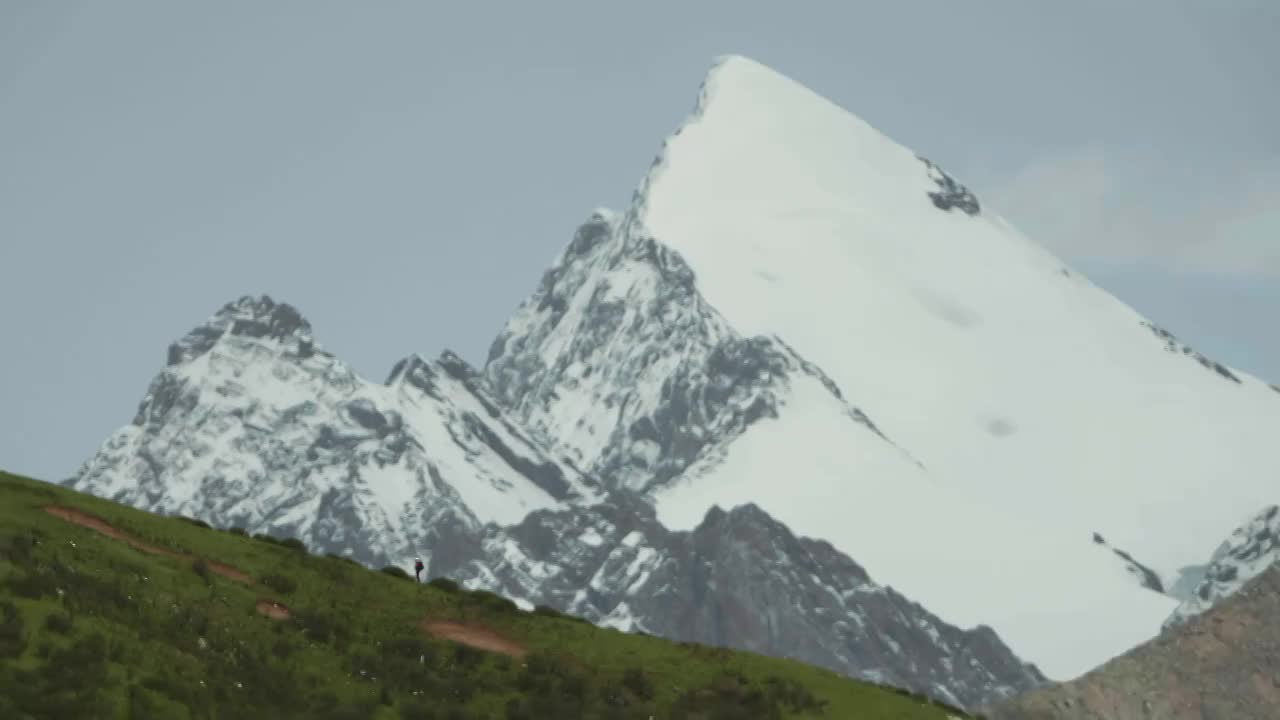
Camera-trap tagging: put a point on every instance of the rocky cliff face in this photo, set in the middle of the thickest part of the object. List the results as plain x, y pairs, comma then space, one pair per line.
743, 580
1222, 663
619, 362
1248, 552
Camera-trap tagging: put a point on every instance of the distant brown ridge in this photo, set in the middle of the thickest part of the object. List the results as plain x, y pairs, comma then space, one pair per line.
1224, 663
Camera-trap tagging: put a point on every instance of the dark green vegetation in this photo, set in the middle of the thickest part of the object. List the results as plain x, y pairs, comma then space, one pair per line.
194, 622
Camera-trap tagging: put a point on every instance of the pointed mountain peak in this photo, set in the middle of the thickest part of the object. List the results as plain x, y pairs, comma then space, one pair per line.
761, 141
453, 364
250, 316
414, 366
419, 371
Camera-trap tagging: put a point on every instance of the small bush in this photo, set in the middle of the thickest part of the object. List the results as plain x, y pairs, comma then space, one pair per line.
12, 639
322, 627
32, 585
201, 568
279, 583
18, 549
58, 622
291, 543
418, 710
444, 584
796, 697
494, 602
634, 680
396, 572
195, 521
238, 531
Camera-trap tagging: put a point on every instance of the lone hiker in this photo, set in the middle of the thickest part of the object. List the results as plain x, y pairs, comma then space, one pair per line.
417, 568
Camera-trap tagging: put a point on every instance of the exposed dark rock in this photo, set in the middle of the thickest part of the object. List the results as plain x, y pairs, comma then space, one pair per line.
1250, 550
950, 194
742, 580
1174, 345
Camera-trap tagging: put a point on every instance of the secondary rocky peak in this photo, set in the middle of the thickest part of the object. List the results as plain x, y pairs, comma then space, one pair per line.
762, 154
1250, 550
257, 317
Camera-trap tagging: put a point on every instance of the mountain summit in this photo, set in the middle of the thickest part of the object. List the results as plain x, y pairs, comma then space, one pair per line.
785, 267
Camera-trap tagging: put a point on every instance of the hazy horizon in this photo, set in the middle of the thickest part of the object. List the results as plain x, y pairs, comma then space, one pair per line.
403, 174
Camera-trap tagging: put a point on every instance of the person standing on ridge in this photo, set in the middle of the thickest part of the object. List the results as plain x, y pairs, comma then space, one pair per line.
417, 568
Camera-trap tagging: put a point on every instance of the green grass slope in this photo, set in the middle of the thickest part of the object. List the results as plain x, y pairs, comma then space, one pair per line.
172, 625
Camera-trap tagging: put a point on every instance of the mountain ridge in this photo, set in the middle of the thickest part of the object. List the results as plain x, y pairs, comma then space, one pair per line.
370, 472
794, 313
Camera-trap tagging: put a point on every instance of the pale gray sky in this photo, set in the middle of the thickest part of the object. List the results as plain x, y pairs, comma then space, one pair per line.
404, 171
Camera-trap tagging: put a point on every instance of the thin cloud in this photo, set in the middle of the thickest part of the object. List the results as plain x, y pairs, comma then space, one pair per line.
1086, 203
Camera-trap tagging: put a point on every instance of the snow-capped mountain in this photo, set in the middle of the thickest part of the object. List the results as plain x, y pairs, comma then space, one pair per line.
253, 424
796, 321
1247, 553
797, 312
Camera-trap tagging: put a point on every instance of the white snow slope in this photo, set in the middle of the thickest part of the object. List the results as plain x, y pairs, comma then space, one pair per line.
1041, 408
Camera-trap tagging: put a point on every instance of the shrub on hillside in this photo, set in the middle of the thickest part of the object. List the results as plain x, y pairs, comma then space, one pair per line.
794, 696
12, 639
494, 602
195, 521
547, 611
444, 584
732, 695
639, 684
238, 531
323, 627
728, 696
58, 622
288, 542
32, 585
279, 583
18, 549
69, 684
396, 572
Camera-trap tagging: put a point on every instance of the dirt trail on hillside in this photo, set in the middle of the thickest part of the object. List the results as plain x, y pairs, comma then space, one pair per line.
476, 636
272, 609
84, 519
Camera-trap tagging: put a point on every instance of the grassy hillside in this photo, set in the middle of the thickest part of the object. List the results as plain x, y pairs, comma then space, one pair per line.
169, 619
